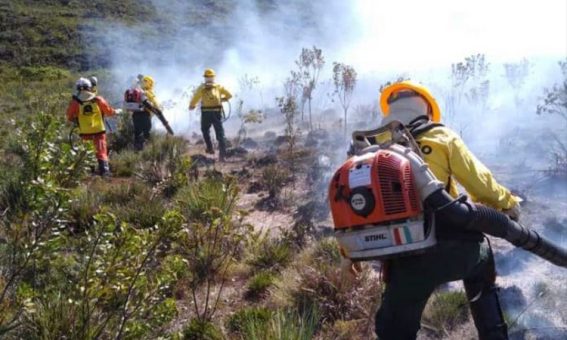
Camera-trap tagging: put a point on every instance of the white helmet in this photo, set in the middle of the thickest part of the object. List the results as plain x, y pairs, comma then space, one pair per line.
93, 80
83, 84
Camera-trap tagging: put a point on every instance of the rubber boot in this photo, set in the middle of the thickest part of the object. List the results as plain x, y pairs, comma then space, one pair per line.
103, 168
486, 311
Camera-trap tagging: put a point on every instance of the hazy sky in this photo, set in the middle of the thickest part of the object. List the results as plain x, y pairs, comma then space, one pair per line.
415, 33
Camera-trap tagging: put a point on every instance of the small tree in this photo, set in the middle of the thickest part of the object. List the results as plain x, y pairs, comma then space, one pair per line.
310, 63
469, 79
555, 102
516, 74
210, 241
288, 107
344, 78
555, 98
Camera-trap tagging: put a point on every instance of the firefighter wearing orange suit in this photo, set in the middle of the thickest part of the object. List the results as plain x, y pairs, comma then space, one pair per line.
88, 111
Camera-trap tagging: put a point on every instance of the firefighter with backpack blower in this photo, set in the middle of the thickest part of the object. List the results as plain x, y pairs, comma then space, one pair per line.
141, 102
87, 111
421, 248
211, 95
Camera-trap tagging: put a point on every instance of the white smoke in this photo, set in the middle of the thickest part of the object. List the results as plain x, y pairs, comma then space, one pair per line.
382, 40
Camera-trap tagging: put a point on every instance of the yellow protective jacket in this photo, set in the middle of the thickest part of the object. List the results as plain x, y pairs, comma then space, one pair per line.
451, 162
148, 87
211, 96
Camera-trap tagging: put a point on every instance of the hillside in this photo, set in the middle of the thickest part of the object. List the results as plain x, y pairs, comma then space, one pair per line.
177, 245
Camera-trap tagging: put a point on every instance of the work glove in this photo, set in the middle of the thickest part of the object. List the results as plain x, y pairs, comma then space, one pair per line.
514, 212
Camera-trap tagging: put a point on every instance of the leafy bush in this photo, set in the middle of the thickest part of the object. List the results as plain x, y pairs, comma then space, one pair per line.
258, 284
446, 310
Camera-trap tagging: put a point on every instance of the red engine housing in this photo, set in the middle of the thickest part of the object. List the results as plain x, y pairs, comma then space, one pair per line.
384, 175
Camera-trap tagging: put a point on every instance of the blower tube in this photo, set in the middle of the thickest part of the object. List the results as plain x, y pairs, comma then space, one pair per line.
461, 213
480, 218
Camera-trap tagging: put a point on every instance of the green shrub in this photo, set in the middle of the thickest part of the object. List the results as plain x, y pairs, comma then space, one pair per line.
258, 284
336, 296
124, 163
43, 73
197, 199
446, 310
270, 253
142, 212
285, 325
124, 192
274, 177
327, 251
211, 241
201, 330
240, 321
84, 206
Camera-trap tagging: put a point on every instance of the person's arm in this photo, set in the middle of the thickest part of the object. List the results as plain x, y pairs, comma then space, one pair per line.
196, 97
105, 108
477, 179
72, 111
151, 97
225, 95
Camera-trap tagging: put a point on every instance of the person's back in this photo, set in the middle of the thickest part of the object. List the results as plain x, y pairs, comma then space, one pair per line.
211, 96
460, 255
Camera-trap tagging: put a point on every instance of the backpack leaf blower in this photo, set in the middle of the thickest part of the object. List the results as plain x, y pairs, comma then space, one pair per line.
377, 199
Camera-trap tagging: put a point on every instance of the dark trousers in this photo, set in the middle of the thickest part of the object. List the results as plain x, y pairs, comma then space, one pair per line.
412, 280
214, 118
142, 126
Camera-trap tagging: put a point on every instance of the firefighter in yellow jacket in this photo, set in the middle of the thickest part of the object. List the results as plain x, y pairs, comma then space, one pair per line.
211, 95
88, 110
460, 255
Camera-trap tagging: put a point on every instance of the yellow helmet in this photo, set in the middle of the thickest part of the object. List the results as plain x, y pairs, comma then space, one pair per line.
147, 83
389, 93
209, 73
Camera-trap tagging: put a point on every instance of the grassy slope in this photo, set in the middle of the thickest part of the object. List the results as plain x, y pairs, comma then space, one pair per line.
49, 34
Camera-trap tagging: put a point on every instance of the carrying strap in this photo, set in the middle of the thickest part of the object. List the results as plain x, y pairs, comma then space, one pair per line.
421, 125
